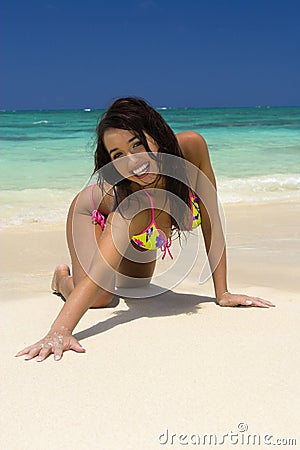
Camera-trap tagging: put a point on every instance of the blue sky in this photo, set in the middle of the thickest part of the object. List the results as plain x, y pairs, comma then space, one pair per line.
63, 54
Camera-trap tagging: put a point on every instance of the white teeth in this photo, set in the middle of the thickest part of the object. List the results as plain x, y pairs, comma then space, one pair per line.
141, 169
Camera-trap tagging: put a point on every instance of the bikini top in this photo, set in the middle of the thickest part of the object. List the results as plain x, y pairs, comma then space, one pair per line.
152, 237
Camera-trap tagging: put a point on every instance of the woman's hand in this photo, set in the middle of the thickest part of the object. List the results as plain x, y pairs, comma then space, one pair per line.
228, 299
56, 342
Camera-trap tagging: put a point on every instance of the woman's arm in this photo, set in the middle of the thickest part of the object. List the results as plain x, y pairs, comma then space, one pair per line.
196, 151
106, 260
213, 235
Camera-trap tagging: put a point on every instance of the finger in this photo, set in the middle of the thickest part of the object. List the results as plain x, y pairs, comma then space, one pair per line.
77, 347
46, 351
266, 302
33, 352
253, 301
58, 352
261, 304
23, 352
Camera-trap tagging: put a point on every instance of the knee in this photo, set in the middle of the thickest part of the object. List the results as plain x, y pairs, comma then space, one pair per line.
104, 300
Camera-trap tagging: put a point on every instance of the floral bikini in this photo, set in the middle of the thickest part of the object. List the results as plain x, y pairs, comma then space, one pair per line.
152, 237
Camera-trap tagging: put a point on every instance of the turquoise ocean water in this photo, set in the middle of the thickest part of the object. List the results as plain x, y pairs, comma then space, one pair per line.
47, 156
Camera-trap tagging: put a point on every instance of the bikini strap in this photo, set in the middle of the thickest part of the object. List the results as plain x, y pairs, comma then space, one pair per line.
151, 201
91, 194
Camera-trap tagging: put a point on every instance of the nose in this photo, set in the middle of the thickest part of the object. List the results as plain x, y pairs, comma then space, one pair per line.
136, 157
129, 162
134, 150
133, 160
133, 155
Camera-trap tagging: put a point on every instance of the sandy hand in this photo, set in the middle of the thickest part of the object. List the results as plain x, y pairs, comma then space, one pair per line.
55, 342
228, 299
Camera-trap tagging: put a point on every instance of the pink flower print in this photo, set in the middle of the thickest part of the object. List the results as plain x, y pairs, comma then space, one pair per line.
139, 242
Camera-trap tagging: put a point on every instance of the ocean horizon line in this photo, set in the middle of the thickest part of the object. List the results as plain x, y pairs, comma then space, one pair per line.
91, 109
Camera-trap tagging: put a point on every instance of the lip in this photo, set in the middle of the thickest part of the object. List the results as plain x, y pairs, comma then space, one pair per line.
140, 165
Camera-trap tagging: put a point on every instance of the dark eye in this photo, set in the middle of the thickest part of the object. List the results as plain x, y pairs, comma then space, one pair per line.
116, 155
137, 144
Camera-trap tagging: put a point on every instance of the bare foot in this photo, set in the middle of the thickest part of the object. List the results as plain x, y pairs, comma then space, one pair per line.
60, 272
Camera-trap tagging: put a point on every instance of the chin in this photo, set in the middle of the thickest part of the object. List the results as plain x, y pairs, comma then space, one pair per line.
149, 180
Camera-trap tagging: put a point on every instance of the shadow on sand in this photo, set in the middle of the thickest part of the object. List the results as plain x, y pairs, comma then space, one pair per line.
156, 304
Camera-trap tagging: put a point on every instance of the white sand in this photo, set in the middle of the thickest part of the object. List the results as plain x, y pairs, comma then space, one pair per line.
176, 361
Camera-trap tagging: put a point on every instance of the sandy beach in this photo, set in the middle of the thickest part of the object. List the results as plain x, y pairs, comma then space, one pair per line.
162, 370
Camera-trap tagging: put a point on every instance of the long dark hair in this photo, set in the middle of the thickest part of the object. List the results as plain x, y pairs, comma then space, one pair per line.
134, 114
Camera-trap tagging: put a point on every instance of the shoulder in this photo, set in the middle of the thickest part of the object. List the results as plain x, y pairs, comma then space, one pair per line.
90, 197
193, 147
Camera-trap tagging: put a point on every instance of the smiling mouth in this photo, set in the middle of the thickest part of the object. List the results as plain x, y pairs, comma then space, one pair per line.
142, 170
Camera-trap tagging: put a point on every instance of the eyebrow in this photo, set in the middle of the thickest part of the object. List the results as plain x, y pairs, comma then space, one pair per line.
130, 140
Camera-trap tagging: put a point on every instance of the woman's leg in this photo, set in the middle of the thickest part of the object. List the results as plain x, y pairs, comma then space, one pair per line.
131, 274
62, 281
136, 268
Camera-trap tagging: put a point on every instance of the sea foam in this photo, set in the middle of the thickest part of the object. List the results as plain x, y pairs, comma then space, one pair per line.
51, 205
259, 189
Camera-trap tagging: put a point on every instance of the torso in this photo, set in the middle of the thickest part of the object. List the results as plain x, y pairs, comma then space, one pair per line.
143, 218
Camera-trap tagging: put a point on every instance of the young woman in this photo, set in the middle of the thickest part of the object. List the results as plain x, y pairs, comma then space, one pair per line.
151, 184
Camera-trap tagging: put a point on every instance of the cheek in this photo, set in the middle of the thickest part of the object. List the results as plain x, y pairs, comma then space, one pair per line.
153, 147
120, 164
154, 165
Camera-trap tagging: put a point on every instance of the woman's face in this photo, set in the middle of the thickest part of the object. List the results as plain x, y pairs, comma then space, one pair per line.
130, 157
